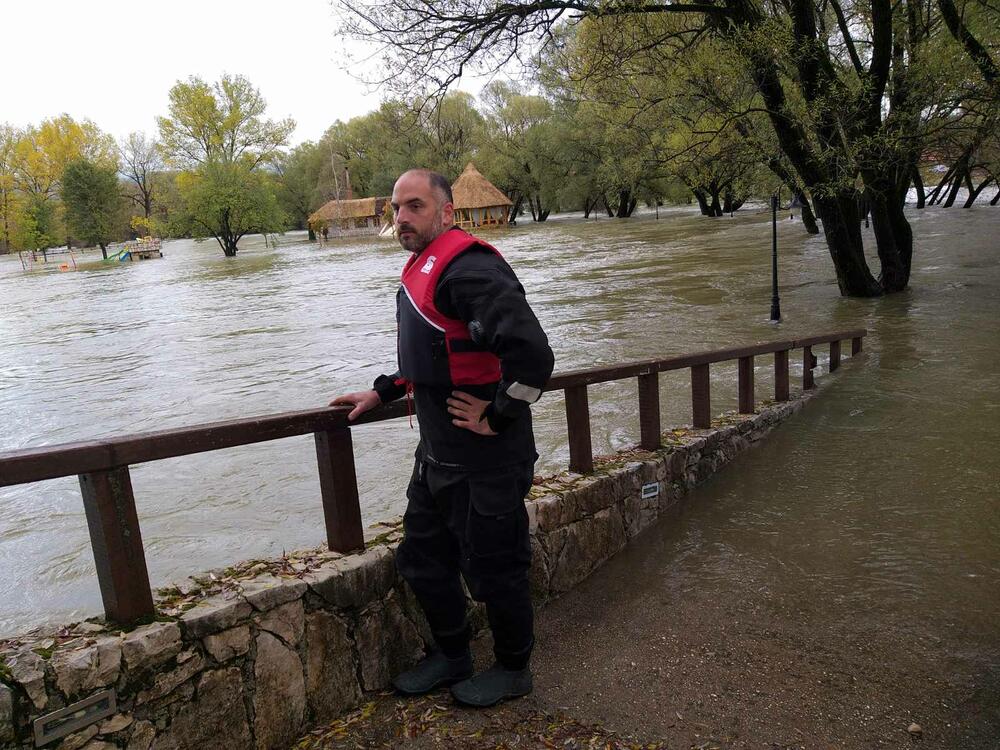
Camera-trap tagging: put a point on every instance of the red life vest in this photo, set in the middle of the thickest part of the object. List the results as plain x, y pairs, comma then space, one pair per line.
434, 349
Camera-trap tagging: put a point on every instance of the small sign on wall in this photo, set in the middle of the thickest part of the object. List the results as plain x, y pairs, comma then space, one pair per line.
650, 490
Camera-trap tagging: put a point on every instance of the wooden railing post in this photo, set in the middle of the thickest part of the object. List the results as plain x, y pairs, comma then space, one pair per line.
834, 355
746, 385
649, 411
338, 485
781, 375
808, 363
581, 454
701, 397
856, 345
117, 542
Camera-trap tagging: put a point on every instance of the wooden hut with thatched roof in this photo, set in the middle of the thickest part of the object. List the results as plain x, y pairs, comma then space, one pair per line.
478, 203
350, 217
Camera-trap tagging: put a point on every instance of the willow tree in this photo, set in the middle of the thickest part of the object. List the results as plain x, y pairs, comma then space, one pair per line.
840, 82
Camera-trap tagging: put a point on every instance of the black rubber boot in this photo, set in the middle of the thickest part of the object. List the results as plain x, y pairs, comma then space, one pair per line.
492, 686
434, 671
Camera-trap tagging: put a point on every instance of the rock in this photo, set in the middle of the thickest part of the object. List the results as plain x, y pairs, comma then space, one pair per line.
6, 714
28, 670
331, 672
355, 580
84, 669
78, 740
268, 592
539, 575
99, 745
116, 723
214, 614
142, 736
287, 622
280, 696
88, 628
215, 720
915, 729
387, 643
165, 683
151, 645
575, 550
547, 511
229, 643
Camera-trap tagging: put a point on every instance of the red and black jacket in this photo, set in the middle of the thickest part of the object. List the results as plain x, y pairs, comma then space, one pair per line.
465, 324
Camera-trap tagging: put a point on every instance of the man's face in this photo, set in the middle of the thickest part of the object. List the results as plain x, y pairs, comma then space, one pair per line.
421, 213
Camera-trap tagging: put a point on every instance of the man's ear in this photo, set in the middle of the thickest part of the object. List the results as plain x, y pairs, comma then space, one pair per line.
448, 214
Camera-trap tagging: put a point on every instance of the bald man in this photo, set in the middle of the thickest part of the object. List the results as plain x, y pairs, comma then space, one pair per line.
474, 358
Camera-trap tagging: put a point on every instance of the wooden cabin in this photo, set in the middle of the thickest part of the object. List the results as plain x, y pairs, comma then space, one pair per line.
478, 202
350, 217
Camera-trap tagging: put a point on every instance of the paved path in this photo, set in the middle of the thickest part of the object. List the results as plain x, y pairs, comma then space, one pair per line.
636, 658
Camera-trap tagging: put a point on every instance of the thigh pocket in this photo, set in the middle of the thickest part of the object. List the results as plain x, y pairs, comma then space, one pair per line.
496, 515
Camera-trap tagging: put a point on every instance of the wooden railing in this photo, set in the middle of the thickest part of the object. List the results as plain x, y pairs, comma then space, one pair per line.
103, 465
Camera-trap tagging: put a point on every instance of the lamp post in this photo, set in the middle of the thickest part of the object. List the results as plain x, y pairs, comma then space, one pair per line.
775, 302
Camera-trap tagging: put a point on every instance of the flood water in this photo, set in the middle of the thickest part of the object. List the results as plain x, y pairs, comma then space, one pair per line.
885, 488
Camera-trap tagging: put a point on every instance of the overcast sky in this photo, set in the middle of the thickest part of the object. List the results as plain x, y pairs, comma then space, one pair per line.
113, 61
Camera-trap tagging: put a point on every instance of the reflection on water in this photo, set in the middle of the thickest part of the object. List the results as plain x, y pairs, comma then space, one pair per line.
884, 489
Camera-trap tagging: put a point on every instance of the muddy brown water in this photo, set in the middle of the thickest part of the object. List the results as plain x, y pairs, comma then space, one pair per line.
882, 494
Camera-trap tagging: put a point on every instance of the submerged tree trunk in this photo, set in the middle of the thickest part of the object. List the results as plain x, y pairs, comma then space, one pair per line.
842, 230
808, 217
973, 194
918, 184
104, 250
624, 204
706, 210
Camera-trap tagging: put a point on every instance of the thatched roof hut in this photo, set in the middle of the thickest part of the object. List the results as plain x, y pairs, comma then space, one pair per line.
478, 203
350, 214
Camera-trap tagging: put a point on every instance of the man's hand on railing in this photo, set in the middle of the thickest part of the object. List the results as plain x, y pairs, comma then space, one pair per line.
362, 401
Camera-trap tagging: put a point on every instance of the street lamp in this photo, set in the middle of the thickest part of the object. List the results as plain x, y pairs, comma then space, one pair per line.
775, 302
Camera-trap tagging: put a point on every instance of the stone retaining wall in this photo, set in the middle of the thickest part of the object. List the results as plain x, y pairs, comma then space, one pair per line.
252, 656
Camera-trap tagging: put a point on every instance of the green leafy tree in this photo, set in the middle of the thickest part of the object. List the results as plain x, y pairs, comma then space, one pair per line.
228, 201
92, 201
218, 135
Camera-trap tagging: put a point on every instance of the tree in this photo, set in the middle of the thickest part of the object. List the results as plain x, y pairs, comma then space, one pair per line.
840, 83
222, 122
227, 201
139, 157
9, 203
91, 196
298, 192
218, 135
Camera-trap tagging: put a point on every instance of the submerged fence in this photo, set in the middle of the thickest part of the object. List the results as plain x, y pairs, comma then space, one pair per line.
103, 465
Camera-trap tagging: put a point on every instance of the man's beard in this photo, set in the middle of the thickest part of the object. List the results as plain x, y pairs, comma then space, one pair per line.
416, 242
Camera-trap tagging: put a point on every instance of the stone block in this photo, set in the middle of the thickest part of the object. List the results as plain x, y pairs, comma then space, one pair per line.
577, 549
539, 575
676, 462
267, 592
331, 672
215, 719
6, 714
215, 614
99, 745
228, 644
280, 696
116, 723
85, 669
151, 645
548, 512
286, 622
166, 682
78, 740
387, 642
28, 670
590, 495
142, 736
413, 612
355, 580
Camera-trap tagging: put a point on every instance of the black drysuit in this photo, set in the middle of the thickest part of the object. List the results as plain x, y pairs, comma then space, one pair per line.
465, 512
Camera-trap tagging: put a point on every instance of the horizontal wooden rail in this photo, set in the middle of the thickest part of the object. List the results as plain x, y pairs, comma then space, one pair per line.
103, 465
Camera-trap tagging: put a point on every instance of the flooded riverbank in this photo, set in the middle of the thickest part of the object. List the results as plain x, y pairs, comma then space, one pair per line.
905, 501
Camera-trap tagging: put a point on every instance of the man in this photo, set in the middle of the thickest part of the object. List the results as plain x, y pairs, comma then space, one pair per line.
474, 358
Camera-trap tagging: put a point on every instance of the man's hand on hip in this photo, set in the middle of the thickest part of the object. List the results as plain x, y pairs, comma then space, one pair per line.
362, 401
468, 413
